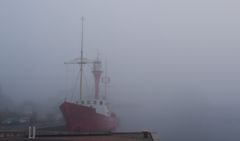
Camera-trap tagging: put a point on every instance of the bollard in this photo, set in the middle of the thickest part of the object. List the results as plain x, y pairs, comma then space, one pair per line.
29, 132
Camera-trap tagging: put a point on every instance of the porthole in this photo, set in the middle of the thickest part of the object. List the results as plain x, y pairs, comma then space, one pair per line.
88, 102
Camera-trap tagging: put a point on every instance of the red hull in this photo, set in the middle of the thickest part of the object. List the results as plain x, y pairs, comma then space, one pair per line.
82, 118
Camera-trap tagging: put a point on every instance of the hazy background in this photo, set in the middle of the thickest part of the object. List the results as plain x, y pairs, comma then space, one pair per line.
174, 64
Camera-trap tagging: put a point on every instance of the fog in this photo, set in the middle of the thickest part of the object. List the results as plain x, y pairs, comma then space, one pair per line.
174, 65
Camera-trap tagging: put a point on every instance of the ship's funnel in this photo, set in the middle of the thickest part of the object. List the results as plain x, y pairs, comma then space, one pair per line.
97, 74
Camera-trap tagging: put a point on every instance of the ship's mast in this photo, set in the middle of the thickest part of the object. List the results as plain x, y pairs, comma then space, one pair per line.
96, 68
81, 60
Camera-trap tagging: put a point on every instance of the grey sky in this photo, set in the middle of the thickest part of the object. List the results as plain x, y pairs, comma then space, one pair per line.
164, 55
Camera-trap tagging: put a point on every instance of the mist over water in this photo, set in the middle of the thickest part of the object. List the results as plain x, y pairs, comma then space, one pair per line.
174, 65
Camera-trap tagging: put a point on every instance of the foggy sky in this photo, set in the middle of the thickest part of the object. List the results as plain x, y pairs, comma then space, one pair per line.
174, 64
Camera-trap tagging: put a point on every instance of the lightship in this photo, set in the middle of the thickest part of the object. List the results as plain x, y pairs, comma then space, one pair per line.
84, 114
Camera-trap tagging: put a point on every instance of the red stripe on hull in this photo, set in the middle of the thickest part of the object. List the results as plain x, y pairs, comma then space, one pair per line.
82, 118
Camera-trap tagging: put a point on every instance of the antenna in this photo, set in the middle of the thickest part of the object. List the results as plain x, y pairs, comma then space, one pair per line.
106, 80
98, 54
